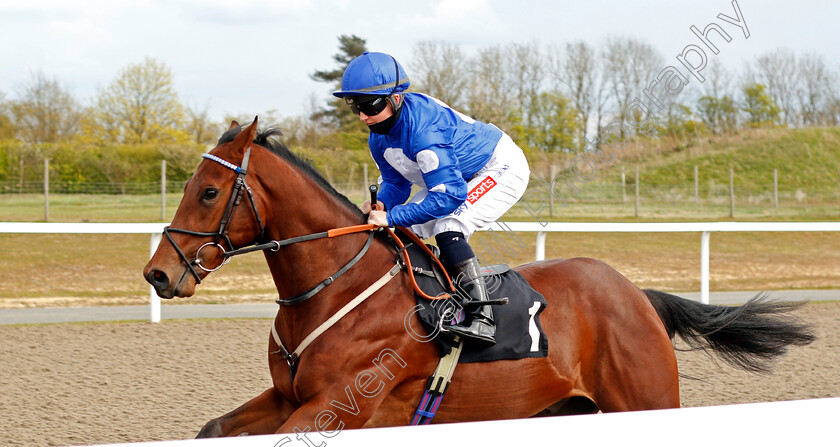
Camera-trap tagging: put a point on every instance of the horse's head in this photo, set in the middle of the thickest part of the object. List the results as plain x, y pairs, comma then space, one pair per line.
216, 214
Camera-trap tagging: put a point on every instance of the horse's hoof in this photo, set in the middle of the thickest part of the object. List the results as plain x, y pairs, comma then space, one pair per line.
212, 429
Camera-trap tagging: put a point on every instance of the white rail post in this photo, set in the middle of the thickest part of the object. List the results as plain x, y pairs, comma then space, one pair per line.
541, 245
704, 267
154, 299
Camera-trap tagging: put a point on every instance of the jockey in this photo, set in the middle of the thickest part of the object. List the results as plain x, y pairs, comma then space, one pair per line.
469, 173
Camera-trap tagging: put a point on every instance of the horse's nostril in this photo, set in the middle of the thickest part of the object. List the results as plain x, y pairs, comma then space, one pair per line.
159, 279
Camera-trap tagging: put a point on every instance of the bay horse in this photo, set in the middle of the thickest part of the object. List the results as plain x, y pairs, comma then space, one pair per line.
610, 343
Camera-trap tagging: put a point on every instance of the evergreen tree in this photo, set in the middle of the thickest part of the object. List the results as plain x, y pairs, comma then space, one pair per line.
336, 112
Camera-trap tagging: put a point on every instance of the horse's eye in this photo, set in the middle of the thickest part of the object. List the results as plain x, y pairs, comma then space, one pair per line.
210, 193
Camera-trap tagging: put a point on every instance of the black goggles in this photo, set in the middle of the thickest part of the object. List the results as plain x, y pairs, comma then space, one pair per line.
369, 105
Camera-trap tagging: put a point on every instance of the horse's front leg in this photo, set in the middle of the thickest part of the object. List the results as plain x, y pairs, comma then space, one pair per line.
331, 411
261, 415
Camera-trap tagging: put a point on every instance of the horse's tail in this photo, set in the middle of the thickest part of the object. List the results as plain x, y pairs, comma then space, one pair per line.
747, 336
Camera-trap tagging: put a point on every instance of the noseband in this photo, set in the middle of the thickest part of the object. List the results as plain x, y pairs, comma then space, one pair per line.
239, 188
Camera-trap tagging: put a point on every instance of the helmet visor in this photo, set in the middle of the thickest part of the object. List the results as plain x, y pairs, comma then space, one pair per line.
370, 105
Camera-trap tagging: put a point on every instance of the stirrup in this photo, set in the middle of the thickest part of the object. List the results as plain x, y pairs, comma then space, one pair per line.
480, 331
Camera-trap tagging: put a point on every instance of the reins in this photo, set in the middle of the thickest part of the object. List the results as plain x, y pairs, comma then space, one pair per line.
240, 187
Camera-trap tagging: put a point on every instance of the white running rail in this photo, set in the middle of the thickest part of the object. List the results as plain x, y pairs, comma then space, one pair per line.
704, 228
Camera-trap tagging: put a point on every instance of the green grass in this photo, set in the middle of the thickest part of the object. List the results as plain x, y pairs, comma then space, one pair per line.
86, 207
806, 159
58, 269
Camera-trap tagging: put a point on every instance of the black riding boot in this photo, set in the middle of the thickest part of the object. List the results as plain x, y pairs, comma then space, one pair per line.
481, 328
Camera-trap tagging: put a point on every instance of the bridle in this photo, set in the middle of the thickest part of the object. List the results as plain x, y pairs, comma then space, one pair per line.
239, 188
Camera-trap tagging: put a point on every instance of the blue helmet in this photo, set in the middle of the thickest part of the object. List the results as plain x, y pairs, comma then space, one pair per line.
373, 74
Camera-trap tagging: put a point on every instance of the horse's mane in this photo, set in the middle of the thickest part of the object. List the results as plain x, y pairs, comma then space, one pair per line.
272, 140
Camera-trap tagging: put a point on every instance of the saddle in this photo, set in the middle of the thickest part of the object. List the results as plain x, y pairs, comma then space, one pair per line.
517, 307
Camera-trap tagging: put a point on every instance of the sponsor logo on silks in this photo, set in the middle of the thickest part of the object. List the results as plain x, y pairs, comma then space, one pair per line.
486, 185
460, 209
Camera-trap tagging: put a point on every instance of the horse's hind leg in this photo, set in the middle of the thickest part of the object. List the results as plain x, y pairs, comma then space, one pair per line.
263, 414
646, 380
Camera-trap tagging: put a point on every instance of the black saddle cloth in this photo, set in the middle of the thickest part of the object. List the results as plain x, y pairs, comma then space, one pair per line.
519, 333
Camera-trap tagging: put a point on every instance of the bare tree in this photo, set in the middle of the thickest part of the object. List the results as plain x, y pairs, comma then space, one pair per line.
199, 124
720, 82
716, 104
44, 111
7, 130
490, 97
778, 71
440, 70
578, 72
602, 98
527, 73
831, 112
630, 64
816, 90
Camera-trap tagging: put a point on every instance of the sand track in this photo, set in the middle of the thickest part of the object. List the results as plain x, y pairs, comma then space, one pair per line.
130, 382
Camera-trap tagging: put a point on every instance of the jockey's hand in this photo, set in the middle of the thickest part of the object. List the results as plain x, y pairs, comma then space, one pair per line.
378, 218
366, 208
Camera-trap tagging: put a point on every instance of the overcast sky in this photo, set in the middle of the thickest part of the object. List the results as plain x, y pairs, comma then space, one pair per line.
246, 57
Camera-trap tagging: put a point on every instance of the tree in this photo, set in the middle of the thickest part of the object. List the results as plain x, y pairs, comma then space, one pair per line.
336, 112
554, 126
760, 107
679, 122
203, 130
630, 64
816, 91
578, 71
7, 130
490, 97
440, 69
831, 112
45, 112
527, 74
140, 106
718, 114
777, 71
715, 106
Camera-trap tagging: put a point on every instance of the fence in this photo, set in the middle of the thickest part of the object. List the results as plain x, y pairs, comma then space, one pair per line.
705, 228
800, 422
696, 192
632, 193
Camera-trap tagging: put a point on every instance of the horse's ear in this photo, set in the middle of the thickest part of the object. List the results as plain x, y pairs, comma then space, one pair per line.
233, 124
244, 139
